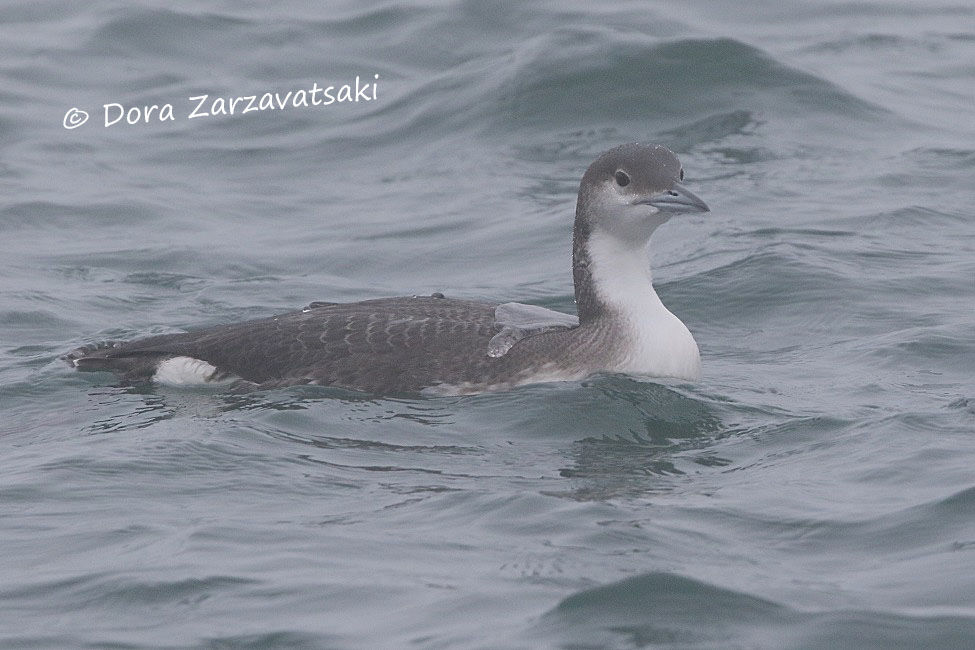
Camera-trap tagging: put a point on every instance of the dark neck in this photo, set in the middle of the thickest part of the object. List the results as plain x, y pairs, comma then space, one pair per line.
588, 304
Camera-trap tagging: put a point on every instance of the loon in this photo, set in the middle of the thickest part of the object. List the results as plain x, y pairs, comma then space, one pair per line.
443, 345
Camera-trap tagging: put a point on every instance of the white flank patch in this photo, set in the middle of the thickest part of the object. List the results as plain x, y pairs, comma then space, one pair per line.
185, 371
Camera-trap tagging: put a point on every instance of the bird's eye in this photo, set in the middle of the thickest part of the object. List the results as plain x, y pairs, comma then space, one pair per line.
622, 178
682, 173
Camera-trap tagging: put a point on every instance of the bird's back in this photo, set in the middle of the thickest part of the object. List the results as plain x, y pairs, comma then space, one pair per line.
385, 345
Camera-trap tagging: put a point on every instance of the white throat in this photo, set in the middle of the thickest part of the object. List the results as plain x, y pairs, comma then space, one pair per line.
655, 341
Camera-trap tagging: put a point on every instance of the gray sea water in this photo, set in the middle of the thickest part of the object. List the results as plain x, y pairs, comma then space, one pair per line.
815, 489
